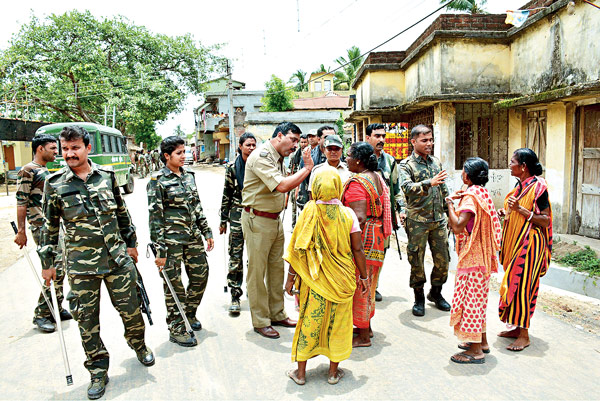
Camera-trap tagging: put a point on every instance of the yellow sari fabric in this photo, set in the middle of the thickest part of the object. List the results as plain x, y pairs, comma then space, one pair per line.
321, 254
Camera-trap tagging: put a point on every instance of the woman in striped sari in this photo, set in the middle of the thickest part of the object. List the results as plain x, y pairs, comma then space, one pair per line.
526, 246
367, 194
323, 253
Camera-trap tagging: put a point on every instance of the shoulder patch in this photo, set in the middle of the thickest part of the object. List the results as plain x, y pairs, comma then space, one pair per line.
264, 153
155, 175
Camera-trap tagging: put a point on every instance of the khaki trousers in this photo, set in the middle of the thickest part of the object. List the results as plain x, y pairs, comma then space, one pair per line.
264, 243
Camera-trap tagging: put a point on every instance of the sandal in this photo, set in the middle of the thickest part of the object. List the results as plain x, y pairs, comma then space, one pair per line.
467, 345
336, 379
293, 374
470, 359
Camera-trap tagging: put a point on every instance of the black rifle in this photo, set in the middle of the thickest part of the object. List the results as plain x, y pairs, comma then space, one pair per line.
143, 296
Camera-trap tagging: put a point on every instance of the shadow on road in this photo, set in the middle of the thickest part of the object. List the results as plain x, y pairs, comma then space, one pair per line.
388, 300
316, 386
411, 321
457, 369
286, 336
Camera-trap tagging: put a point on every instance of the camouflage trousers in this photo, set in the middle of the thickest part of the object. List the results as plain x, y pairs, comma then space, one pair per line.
235, 276
419, 235
84, 302
42, 310
196, 266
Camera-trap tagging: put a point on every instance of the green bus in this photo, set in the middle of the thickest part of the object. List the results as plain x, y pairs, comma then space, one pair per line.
109, 149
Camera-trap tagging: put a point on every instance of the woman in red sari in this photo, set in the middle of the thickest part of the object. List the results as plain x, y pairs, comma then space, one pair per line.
478, 233
367, 194
526, 246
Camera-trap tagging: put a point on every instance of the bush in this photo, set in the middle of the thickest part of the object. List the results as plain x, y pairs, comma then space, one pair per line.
585, 261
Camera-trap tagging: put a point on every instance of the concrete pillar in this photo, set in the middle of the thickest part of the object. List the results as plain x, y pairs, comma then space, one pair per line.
444, 132
517, 131
558, 172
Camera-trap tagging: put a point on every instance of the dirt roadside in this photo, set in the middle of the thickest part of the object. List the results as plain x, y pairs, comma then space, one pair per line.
8, 212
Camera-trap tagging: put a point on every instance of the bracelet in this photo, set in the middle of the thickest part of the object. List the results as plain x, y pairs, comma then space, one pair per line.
363, 279
293, 275
530, 216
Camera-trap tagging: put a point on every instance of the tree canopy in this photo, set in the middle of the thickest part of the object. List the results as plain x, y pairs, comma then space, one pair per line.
71, 66
278, 97
472, 6
345, 77
299, 80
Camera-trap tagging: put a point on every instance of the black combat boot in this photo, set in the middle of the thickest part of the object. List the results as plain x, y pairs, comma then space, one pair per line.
435, 296
419, 306
97, 387
235, 307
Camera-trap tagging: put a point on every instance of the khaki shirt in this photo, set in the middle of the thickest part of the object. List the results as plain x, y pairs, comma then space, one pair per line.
264, 172
341, 168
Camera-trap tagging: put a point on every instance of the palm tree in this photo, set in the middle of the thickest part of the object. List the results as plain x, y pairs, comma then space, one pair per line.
299, 80
350, 66
472, 6
321, 69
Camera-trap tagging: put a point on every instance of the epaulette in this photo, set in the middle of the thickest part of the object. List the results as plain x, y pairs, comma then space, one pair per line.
155, 175
264, 153
105, 169
188, 170
57, 173
403, 162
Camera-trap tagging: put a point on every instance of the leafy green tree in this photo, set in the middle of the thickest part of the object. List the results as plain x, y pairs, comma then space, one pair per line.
471, 6
72, 66
178, 131
277, 96
299, 80
343, 79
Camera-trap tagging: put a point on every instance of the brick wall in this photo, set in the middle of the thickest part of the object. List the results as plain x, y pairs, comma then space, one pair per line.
463, 22
385, 57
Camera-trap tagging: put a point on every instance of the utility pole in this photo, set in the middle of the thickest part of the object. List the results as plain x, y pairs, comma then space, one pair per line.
298, 11
232, 137
114, 115
105, 114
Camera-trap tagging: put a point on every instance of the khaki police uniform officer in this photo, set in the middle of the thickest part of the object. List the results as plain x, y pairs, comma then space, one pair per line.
263, 233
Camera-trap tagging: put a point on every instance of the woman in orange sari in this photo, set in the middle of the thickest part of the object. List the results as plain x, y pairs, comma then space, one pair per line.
478, 233
526, 246
367, 194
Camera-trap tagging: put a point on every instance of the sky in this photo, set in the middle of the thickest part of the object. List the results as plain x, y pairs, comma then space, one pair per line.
262, 37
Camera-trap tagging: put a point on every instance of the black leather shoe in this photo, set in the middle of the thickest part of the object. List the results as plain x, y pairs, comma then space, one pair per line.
419, 306
44, 324
435, 296
97, 387
195, 323
378, 297
65, 315
146, 357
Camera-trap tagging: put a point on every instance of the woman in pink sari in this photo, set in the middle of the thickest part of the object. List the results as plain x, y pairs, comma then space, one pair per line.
478, 232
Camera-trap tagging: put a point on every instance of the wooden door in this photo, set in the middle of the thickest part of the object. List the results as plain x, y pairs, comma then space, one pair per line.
536, 133
9, 156
588, 192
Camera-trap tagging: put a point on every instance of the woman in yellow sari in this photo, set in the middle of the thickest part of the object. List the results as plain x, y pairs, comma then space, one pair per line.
320, 253
526, 246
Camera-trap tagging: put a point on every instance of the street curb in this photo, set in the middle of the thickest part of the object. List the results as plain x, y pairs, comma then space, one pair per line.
570, 280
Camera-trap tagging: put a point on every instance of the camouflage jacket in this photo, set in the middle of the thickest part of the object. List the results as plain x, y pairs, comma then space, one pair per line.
232, 196
175, 211
30, 190
425, 203
98, 227
391, 175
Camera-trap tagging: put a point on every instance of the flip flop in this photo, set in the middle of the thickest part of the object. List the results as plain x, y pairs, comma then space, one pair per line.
518, 349
466, 348
470, 359
336, 379
292, 375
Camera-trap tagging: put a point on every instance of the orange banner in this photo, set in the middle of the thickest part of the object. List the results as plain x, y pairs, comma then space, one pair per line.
397, 143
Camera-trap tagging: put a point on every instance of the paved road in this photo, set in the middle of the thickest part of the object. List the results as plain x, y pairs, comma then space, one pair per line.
409, 358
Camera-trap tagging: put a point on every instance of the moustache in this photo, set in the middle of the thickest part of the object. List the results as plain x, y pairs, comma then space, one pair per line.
72, 158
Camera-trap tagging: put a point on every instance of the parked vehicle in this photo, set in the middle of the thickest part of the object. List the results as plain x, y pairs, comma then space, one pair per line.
109, 149
189, 156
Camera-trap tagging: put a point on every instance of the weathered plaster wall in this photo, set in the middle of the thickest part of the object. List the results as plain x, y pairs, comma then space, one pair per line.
423, 77
262, 124
557, 51
517, 131
474, 67
386, 88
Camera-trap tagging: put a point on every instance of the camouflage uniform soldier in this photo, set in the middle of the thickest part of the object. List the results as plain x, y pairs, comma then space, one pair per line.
148, 157
30, 189
177, 224
156, 160
422, 180
231, 211
100, 245
143, 170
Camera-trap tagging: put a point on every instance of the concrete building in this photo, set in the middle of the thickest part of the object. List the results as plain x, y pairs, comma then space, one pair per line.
487, 88
262, 125
320, 82
15, 139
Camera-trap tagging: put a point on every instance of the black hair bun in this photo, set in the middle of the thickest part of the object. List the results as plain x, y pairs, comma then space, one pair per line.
539, 170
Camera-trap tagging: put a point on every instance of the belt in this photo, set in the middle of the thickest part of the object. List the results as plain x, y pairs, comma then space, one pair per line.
273, 216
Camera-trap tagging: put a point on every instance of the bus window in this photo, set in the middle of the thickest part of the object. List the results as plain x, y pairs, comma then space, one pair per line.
105, 143
113, 144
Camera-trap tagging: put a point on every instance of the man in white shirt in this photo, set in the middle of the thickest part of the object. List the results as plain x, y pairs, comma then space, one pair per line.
333, 152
